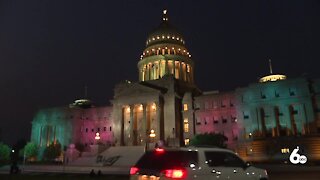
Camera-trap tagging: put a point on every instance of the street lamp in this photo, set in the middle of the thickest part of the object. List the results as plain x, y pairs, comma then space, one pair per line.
97, 136
152, 134
149, 138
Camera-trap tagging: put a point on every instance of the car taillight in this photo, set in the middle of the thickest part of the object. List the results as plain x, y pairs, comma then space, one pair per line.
175, 173
133, 170
159, 150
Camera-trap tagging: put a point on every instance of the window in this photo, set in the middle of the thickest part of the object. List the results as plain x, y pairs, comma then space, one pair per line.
185, 107
245, 115
98, 129
224, 120
186, 125
105, 128
234, 119
177, 159
231, 104
223, 159
285, 150
206, 105
110, 128
197, 105
198, 121
215, 121
295, 112
292, 92
86, 129
206, 120
215, 105
92, 130
186, 141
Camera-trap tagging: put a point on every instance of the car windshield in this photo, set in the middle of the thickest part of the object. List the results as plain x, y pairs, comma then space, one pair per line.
167, 159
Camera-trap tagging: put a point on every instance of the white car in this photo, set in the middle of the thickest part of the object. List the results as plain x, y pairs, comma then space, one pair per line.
200, 163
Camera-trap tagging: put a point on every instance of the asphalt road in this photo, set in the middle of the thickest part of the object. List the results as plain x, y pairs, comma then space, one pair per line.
276, 172
311, 175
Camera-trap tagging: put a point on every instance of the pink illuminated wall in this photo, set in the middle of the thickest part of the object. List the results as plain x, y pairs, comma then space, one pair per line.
216, 113
90, 121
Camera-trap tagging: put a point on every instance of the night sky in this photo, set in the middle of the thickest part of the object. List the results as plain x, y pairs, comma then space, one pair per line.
49, 50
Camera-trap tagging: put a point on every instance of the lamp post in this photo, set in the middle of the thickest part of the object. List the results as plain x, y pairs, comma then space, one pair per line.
152, 135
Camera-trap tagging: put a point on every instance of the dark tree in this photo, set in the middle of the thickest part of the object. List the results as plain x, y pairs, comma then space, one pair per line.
209, 139
52, 152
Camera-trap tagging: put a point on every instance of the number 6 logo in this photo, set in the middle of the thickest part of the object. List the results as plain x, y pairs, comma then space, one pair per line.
296, 158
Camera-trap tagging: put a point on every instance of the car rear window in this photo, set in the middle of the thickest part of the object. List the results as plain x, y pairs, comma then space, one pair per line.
167, 159
224, 159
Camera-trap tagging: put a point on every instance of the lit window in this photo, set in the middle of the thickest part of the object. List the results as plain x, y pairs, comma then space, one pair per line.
186, 125
186, 141
185, 107
285, 150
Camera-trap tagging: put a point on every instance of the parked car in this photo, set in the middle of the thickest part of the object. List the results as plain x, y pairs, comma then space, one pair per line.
201, 163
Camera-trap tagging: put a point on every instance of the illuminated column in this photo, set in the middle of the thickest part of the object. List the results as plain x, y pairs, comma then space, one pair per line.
48, 135
144, 122
180, 70
158, 121
40, 136
174, 68
149, 72
54, 135
131, 134
187, 73
159, 69
144, 72
152, 71
167, 67
122, 111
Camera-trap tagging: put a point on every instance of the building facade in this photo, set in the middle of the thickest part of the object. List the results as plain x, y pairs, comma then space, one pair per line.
262, 121
78, 123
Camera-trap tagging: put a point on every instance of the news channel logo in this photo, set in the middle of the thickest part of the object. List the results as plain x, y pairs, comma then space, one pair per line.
296, 158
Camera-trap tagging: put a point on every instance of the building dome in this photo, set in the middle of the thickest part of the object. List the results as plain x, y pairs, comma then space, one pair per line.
165, 53
272, 77
165, 33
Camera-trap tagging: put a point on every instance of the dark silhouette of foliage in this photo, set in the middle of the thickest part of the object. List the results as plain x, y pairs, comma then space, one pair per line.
52, 152
209, 139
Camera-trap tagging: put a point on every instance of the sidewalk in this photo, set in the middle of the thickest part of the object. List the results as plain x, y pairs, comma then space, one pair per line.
68, 169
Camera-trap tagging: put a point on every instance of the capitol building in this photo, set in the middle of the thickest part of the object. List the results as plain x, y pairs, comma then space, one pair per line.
263, 120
